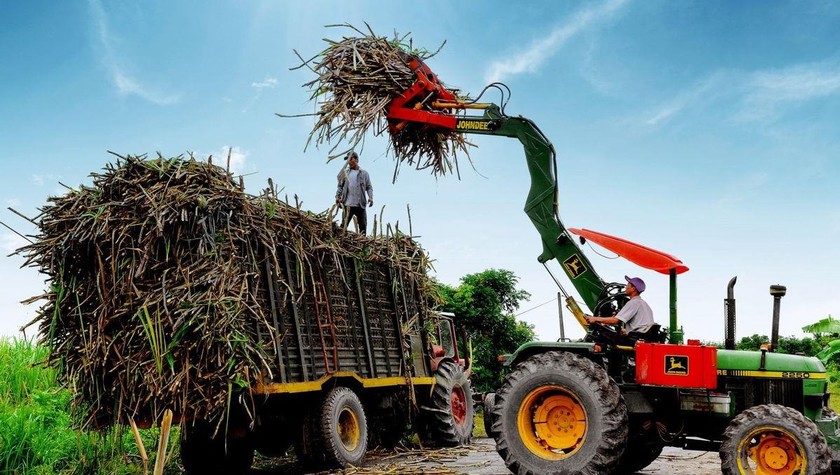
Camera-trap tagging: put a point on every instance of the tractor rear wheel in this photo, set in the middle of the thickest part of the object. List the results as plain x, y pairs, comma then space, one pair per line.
447, 418
774, 439
559, 412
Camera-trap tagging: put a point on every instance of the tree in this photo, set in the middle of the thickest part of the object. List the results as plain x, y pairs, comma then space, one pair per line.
826, 332
787, 344
827, 327
483, 305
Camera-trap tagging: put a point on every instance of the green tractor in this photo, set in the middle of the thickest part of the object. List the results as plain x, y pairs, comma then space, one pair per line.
610, 403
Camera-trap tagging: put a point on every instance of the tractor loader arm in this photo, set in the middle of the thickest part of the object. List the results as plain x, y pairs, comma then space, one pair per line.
427, 102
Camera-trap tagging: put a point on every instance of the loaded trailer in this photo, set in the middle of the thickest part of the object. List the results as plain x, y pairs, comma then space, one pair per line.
257, 324
357, 359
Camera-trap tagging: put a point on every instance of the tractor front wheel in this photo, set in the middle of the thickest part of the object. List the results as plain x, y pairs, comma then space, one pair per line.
559, 412
774, 439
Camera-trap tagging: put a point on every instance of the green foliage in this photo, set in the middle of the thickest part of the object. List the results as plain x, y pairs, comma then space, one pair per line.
827, 331
826, 327
787, 344
752, 343
37, 434
484, 304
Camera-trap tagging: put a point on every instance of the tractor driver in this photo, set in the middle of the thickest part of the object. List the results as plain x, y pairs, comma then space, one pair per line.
636, 313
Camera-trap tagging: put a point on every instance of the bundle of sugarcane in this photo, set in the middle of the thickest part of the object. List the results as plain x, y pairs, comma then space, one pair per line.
157, 299
358, 76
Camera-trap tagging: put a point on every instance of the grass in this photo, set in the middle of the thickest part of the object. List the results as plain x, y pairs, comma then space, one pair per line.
834, 390
478, 428
37, 435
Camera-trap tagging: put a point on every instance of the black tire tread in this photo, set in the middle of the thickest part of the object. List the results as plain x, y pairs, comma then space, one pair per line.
790, 419
611, 441
488, 403
439, 424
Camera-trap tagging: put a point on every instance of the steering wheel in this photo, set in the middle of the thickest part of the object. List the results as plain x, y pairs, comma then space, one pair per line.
611, 299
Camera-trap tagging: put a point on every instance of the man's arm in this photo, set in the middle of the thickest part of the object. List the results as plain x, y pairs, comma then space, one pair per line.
607, 320
339, 191
627, 312
369, 189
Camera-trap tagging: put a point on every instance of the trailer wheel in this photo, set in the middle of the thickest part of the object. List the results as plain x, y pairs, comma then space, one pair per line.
448, 417
340, 436
202, 452
558, 412
489, 402
774, 439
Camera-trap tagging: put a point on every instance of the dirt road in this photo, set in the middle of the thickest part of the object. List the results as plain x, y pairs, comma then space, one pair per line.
481, 459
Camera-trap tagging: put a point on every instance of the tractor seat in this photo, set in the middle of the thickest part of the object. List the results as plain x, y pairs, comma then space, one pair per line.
652, 333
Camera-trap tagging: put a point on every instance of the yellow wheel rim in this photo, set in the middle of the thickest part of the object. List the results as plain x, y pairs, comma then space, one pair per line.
771, 450
348, 429
552, 422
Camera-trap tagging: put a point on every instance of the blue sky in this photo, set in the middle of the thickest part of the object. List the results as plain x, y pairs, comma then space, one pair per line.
706, 129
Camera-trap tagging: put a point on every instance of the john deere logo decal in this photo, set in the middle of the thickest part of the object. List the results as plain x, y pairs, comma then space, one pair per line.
676, 364
473, 125
574, 266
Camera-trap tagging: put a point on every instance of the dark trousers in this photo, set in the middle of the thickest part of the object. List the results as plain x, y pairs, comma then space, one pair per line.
360, 214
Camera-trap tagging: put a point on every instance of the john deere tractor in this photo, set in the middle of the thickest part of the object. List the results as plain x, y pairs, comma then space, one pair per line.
611, 402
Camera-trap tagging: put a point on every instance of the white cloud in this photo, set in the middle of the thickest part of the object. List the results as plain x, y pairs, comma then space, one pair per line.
695, 95
744, 189
237, 159
10, 242
539, 51
268, 82
767, 92
123, 81
129, 85
39, 180
753, 96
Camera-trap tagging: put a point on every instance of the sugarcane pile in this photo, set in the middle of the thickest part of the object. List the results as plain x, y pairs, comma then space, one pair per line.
156, 295
357, 77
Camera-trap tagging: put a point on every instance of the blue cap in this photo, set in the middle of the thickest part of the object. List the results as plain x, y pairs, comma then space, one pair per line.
636, 282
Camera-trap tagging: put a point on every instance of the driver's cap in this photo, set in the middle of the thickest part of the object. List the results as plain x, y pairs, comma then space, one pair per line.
636, 282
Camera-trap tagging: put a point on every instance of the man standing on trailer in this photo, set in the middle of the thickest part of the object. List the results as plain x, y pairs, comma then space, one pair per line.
354, 192
635, 314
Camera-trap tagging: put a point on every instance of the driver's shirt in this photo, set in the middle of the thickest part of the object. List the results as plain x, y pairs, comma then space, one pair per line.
636, 314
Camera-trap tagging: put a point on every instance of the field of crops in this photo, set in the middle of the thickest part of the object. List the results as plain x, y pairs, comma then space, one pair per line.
37, 435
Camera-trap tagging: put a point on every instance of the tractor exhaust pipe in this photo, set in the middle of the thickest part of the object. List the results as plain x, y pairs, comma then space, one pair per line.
729, 314
777, 291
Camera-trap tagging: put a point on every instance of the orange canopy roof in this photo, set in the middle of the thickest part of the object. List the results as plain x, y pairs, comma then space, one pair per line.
635, 253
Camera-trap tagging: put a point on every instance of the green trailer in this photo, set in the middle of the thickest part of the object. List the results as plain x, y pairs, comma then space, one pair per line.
358, 360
